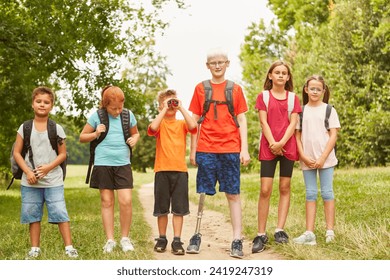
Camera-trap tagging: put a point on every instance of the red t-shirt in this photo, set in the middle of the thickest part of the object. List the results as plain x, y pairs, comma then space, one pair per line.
219, 135
278, 121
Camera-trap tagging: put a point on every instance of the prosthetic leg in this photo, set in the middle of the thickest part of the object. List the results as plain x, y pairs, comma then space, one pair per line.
194, 246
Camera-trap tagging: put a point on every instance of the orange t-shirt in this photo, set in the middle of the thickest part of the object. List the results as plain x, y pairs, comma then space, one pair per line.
170, 145
218, 135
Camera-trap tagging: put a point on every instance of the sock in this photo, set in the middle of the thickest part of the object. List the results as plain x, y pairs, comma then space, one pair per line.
35, 248
69, 247
261, 233
330, 232
308, 231
278, 229
176, 239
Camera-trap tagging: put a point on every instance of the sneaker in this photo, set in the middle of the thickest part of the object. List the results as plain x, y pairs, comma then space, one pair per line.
109, 247
236, 250
307, 238
329, 237
33, 253
72, 253
126, 244
161, 244
194, 246
281, 237
177, 248
259, 243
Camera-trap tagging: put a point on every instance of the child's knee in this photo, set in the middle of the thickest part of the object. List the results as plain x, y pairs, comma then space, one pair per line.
327, 195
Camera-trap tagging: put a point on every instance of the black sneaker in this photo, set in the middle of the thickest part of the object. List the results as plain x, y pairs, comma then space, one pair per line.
259, 243
177, 248
161, 245
194, 246
236, 250
281, 237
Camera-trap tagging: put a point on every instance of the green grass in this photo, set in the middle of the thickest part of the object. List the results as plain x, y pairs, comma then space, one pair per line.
362, 215
362, 218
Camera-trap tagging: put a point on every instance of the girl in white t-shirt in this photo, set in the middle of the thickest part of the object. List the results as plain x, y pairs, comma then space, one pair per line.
316, 144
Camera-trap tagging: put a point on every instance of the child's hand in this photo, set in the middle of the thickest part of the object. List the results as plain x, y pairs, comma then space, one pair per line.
41, 171
309, 162
174, 103
319, 163
131, 141
31, 177
276, 148
101, 128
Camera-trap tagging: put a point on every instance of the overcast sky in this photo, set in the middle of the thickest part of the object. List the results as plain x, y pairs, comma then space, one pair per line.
206, 24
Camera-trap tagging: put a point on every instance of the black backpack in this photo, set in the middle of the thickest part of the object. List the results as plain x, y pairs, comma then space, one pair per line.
103, 117
17, 172
209, 94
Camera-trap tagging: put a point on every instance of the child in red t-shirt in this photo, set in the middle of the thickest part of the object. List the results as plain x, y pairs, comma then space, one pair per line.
277, 144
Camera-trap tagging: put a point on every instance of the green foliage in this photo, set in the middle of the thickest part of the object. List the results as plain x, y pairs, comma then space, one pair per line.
76, 47
347, 42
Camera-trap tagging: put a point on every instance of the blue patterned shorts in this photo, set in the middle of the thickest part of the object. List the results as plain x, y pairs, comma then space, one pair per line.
222, 168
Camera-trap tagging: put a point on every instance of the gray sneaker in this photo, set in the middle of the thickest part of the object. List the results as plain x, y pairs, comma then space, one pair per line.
72, 253
329, 237
33, 253
307, 238
236, 250
109, 247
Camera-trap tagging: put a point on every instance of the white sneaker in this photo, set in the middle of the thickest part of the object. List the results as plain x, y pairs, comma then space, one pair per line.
109, 247
126, 244
307, 238
33, 253
329, 236
72, 253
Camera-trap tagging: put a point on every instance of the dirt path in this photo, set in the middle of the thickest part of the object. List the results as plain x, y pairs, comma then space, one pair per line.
216, 233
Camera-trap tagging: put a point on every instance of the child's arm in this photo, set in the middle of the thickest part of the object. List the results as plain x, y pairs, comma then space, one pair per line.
194, 142
42, 170
155, 124
133, 139
191, 123
244, 154
309, 162
89, 133
328, 148
266, 130
31, 179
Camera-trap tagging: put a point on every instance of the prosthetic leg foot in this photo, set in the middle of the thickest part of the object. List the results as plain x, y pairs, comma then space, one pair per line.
194, 246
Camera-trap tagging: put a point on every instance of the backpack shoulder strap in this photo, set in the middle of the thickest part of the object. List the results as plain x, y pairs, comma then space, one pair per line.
290, 103
103, 118
125, 118
52, 133
27, 129
266, 98
327, 115
208, 92
229, 100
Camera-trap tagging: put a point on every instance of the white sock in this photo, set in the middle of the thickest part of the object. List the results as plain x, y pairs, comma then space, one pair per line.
260, 233
35, 248
278, 229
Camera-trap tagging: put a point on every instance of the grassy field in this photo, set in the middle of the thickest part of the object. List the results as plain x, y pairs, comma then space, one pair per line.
362, 218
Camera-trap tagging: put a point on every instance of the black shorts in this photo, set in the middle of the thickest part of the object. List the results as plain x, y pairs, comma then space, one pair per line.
112, 177
171, 189
268, 167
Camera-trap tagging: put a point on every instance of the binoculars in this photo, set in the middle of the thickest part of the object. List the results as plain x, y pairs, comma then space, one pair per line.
173, 103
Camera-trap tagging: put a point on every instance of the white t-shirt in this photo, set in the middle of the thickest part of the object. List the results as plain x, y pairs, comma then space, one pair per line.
43, 153
315, 136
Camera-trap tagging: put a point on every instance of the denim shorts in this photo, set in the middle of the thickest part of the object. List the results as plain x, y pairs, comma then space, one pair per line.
171, 189
222, 168
33, 200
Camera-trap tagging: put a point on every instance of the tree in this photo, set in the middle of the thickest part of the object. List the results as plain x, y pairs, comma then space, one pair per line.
76, 47
348, 43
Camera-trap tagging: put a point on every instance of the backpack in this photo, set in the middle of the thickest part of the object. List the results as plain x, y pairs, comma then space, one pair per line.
326, 121
103, 117
17, 172
290, 101
209, 94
